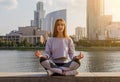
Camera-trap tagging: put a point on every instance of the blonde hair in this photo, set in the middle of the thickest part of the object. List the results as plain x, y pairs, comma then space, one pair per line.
55, 32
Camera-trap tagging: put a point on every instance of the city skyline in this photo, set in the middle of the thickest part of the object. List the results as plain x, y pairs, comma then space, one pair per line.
15, 13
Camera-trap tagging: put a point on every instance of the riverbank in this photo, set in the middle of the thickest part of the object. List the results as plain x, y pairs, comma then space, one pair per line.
77, 49
22, 48
98, 49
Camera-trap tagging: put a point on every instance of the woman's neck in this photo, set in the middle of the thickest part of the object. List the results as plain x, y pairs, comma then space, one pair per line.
60, 35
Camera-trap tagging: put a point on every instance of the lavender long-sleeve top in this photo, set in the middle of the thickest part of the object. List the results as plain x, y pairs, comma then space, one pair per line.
59, 48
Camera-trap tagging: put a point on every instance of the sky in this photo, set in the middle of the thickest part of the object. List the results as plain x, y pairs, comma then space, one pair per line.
17, 13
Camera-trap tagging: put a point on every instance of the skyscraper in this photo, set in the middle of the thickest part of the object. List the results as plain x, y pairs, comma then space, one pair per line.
39, 16
94, 10
96, 19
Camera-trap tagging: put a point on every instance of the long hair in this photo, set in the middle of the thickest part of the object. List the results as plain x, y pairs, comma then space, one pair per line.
55, 32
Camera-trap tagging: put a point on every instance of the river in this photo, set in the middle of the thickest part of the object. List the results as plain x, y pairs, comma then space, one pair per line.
93, 61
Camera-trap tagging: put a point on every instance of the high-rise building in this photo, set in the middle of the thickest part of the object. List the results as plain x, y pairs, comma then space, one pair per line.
96, 20
93, 12
113, 31
32, 23
80, 33
39, 16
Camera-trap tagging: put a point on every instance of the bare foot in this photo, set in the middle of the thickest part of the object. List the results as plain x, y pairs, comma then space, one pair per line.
64, 72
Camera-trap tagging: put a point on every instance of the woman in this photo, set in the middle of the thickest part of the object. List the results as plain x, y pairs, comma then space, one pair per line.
59, 58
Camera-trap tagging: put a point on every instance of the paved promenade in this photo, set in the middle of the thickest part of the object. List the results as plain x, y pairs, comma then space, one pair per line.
42, 77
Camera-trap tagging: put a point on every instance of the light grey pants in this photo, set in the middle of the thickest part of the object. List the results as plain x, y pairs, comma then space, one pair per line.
58, 68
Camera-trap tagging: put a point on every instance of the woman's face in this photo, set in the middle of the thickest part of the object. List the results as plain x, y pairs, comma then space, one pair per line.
60, 26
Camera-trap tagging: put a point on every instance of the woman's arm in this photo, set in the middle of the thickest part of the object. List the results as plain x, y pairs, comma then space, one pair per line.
47, 53
71, 49
48, 48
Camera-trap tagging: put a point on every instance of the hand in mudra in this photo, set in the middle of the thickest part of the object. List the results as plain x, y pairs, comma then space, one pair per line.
38, 54
80, 56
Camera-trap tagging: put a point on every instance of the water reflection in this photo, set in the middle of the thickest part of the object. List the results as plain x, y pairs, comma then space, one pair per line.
25, 61
19, 61
105, 61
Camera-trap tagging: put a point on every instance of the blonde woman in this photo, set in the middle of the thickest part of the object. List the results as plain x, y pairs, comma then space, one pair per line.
59, 58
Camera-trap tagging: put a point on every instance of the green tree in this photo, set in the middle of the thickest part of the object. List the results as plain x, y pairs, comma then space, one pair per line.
25, 43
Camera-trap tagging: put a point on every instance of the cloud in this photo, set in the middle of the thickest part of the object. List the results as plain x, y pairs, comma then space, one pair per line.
8, 4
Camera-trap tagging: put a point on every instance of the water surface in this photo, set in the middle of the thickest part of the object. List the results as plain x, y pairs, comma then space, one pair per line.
93, 61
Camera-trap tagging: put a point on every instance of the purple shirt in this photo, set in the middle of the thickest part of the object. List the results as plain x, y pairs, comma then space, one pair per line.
59, 48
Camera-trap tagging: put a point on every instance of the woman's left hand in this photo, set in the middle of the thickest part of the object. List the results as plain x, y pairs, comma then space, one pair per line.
80, 56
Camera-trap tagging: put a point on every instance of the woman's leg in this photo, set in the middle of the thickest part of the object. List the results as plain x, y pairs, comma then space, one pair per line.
49, 65
72, 65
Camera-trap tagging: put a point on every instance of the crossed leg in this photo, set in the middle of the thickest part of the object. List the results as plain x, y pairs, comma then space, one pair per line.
67, 69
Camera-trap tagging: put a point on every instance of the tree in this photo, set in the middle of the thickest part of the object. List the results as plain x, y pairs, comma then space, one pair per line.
25, 43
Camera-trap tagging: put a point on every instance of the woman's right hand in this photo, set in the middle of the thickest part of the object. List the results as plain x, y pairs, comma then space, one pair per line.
38, 54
